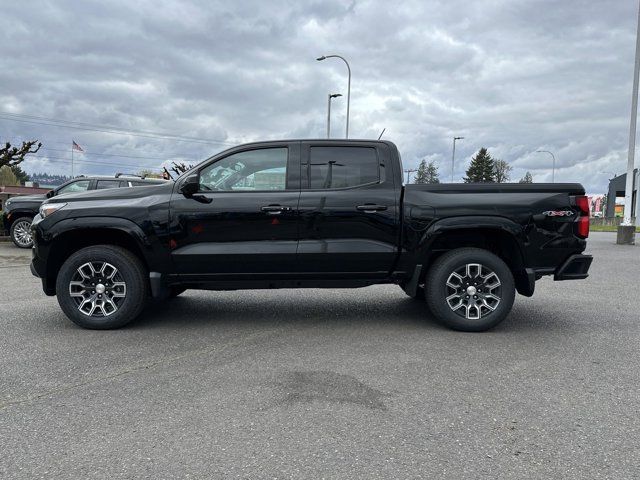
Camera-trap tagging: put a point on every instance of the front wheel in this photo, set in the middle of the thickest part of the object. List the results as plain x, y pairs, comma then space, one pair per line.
470, 289
21, 232
102, 287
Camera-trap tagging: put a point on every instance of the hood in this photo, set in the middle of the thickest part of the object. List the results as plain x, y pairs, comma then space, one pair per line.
113, 193
26, 198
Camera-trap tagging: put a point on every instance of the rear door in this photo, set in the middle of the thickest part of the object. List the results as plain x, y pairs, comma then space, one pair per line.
348, 209
244, 219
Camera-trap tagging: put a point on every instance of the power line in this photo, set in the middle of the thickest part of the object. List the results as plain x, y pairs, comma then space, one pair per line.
37, 120
89, 151
107, 154
92, 162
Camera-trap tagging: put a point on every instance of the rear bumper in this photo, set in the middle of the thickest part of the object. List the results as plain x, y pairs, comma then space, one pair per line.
576, 267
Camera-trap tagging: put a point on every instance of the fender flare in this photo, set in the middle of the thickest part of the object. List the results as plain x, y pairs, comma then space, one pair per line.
470, 222
91, 223
141, 239
524, 283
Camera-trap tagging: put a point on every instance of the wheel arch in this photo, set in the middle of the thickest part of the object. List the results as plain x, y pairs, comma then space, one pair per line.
64, 240
13, 215
498, 235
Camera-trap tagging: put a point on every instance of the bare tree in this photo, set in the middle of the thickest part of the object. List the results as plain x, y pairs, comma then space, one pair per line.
501, 171
177, 168
12, 156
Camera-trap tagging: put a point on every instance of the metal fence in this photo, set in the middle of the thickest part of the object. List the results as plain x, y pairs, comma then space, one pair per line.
610, 222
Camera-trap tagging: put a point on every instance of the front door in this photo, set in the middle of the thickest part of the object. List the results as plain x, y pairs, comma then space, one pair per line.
244, 219
349, 219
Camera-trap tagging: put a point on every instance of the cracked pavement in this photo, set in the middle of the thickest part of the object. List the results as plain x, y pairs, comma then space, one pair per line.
325, 384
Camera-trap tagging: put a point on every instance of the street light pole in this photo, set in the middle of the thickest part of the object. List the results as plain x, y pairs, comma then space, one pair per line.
329, 97
628, 190
453, 155
324, 57
553, 171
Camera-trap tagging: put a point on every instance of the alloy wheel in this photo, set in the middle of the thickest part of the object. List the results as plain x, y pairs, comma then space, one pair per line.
98, 289
473, 291
22, 233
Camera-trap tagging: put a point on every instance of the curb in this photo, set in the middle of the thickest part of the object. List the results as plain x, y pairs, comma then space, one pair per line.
5, 239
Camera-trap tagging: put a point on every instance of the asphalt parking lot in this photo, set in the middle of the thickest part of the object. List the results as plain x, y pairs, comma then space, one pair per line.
325, 384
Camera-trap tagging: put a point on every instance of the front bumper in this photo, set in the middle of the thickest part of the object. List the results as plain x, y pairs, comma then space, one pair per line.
576, 267
6, 221
38, 263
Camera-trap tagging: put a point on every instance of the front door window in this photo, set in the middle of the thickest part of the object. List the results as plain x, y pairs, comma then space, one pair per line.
253, 170
79, 186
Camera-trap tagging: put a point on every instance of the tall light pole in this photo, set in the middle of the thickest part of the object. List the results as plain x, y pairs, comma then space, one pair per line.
553, 170
626, 231
324, 57
329, 97
453, 155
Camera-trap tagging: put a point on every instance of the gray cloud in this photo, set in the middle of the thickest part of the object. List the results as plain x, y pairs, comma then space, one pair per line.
514, 76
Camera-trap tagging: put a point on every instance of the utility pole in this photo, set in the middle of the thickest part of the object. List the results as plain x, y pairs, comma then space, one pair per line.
627, 230
410, 171
453, 155
330, 96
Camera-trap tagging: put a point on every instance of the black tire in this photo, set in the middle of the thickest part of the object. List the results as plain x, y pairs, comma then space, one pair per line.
20, 238
124, 303
484, 304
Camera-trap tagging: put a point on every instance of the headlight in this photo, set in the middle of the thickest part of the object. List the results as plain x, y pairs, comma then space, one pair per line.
47, 209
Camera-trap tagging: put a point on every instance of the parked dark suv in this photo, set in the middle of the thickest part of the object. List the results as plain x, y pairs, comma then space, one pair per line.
19, 211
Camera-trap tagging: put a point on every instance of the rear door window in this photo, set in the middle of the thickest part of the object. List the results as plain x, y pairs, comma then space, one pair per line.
102, 184
342, 167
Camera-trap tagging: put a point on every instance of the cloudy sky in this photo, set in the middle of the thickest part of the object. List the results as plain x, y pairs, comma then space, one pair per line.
514, 76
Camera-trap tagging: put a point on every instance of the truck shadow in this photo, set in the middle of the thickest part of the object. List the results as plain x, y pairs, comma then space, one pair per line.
329, 307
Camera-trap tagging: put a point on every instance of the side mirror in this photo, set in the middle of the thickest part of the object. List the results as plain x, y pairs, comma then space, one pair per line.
190, 185
51, 193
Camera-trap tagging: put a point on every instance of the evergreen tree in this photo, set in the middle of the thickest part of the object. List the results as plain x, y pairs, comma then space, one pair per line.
481, 169
501, 171
421, 174
527, 178
432, 175
20, 174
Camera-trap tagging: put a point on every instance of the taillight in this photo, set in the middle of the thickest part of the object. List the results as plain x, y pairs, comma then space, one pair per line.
582, 202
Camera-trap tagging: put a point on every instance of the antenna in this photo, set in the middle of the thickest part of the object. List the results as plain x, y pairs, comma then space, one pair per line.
381, 133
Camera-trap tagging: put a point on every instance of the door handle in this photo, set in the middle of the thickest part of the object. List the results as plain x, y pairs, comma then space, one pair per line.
274, 209
371, 208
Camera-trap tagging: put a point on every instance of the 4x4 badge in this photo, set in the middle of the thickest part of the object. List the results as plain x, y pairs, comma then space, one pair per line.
558, 213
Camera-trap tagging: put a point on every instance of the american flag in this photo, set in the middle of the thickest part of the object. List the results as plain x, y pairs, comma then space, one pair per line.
77, 147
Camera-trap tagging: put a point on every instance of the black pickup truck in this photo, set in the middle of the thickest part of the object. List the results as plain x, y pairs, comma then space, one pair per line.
309, 213
19, 211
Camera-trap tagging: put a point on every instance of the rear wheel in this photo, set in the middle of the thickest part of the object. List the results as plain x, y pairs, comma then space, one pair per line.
470, 289
102, 287
21, 232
